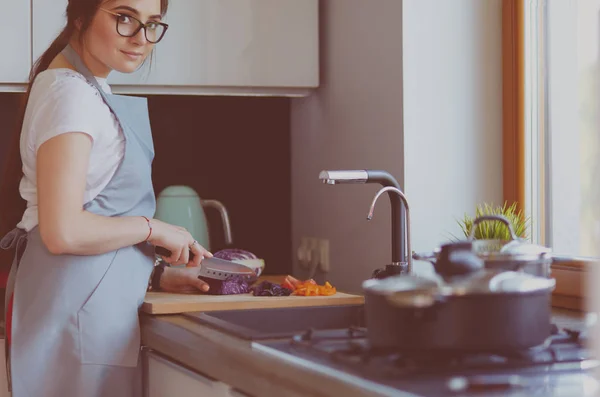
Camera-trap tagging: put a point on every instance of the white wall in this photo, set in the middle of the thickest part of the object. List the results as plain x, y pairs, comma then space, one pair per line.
452, 112
452, 117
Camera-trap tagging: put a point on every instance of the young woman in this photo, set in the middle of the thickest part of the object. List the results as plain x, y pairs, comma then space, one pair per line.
85, 243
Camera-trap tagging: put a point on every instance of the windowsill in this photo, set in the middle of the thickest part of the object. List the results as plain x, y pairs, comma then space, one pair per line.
570, 275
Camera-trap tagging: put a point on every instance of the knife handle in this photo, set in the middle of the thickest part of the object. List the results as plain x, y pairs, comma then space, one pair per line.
166, 253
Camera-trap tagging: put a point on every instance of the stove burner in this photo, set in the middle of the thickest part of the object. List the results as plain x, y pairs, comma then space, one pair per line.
312, 335
562, 366
350, 346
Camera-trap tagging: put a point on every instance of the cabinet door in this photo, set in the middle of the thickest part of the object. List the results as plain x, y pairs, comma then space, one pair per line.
235, 43
49, 18
15, 41
164, 378
210, 43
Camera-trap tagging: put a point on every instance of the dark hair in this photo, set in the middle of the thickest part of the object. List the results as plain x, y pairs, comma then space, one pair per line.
12, 205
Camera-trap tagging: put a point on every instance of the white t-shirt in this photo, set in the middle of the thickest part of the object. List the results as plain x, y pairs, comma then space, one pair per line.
61, 101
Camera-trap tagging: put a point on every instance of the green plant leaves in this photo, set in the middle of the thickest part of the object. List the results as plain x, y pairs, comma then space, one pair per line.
496, 230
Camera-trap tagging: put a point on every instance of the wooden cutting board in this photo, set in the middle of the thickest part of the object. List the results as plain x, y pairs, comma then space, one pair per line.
169, 303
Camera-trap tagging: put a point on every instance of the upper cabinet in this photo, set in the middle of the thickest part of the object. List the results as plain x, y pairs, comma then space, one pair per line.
235, 43
48, 19
15, 43
215, 47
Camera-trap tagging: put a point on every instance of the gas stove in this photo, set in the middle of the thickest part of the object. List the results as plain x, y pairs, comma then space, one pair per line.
560, 367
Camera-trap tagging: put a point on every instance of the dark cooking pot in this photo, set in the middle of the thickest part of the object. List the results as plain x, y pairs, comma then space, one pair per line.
464, 307
512, 255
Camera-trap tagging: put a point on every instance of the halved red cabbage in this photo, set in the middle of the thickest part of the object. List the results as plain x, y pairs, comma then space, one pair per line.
231, 254
232, 285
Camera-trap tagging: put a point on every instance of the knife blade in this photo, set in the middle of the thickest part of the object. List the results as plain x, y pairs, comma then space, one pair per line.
220, 269
215, 268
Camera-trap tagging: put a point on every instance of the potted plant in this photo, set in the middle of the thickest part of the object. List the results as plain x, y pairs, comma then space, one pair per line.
496, 230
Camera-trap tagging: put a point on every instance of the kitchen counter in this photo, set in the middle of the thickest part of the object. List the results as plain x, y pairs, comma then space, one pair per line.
256, 371
565, 318
235, 362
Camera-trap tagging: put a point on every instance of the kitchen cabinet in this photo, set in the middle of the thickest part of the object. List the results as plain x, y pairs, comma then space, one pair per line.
15, 42
48, 19
216, 46
165, 378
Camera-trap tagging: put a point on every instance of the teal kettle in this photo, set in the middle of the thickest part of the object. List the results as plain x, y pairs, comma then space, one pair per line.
180, 205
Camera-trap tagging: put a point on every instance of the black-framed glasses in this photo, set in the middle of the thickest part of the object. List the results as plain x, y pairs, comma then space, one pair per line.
129, 26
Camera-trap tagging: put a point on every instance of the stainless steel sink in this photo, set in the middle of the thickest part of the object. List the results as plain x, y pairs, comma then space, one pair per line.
260, 324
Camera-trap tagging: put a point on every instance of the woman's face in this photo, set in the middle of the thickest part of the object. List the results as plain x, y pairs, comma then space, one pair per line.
105, 49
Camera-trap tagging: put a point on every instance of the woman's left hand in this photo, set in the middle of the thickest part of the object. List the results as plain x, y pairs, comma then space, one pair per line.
182, 279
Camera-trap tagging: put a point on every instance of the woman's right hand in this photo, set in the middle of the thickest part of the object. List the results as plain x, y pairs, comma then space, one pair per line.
179, 241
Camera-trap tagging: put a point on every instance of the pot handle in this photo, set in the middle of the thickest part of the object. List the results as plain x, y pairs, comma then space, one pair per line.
499, 218
224, 217
425, 256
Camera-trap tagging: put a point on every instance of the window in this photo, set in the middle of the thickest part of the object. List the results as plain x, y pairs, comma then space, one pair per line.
552, 129
572, 216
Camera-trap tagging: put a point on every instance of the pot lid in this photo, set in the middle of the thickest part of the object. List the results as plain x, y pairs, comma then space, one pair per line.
523, 247
519, 250
501, 250
493, 282
479, 282
401, 283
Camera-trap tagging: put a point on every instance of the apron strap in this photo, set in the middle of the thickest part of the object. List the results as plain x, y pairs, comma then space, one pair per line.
13, 239
74, 59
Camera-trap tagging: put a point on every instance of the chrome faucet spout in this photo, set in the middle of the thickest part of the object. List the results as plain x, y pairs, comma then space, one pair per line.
384, 178
407, 226
332, 177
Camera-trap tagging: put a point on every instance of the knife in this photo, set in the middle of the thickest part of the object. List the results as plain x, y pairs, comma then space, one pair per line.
166, 253
215, 268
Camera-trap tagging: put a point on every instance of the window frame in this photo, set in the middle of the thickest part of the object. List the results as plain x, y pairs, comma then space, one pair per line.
513, 93
570, 276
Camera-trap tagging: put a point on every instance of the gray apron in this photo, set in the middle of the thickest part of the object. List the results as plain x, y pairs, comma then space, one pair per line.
75, 328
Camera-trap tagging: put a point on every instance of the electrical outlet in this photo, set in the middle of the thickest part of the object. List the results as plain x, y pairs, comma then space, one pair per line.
324, 255
303, 253
313, 252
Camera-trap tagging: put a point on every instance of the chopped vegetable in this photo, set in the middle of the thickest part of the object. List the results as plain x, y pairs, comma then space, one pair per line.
293, 283
310, 288
267, 288
290, 283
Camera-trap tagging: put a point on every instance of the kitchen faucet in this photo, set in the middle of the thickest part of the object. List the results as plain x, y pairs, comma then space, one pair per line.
390, 268
400, 257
